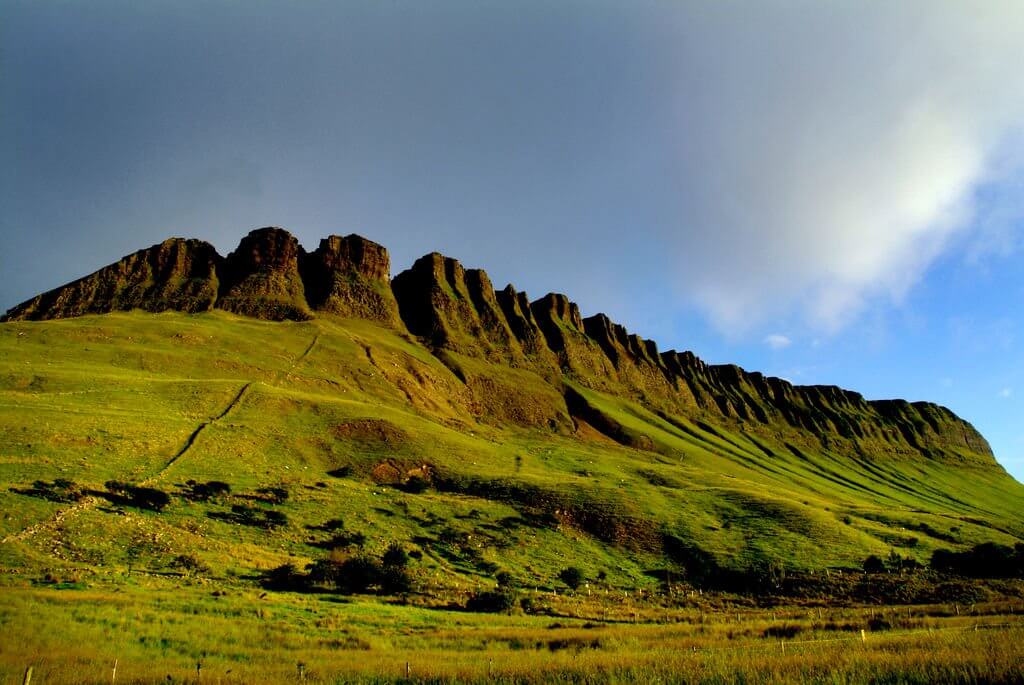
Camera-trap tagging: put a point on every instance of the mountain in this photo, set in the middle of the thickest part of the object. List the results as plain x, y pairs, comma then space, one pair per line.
458, 314
482, 428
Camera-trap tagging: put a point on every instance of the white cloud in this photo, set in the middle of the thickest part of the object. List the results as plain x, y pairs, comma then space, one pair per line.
777, 341
1006, 392
830, 150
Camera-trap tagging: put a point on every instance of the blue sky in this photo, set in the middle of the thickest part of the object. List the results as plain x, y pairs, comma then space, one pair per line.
829, 192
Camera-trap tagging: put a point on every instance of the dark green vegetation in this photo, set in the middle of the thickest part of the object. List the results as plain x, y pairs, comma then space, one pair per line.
396, 456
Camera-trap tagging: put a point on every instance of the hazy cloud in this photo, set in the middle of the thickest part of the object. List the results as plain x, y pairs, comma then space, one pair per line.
777, 341
1006, 392
831, 149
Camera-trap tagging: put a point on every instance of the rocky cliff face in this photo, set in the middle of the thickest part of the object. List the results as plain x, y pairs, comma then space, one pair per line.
349, 276
267, 276
458, 314
489, 339
262, 279
176, 274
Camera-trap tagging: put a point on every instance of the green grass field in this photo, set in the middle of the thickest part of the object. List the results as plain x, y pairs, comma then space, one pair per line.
337, 413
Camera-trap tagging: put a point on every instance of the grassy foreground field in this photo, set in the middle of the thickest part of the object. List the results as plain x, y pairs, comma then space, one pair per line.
162, 630
320, 428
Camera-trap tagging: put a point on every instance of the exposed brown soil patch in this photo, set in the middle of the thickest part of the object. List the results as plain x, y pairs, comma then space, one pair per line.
375, 431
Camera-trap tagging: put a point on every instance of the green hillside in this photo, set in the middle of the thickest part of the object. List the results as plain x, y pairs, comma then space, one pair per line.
342, 413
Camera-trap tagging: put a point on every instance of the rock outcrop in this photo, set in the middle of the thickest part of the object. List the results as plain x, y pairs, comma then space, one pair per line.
261, 277
176, 274
454, 309
349, 276
517, 359
458, 314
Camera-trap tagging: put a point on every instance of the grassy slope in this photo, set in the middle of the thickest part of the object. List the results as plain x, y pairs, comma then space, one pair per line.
119, 396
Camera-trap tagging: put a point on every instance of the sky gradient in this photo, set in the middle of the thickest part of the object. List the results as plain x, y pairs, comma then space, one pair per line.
828, 194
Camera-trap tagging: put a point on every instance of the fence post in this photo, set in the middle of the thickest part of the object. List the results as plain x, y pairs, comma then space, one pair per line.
28, 676
113, 673
406, 670
783, 647
863, 636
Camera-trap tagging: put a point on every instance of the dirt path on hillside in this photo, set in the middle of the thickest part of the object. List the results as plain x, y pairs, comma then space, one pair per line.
191, 440
88, 503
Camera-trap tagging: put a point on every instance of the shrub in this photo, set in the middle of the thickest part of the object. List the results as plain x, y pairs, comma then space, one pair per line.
274, 495
396, 580
786, 631
252, 516
330, 525
572, 577
204, 492
502, 599
416, 485
874, 564
284, 577
325, 571
875, 624
396, 556
987, 560
188, 563
60, 490
359, 574
504, 579
137, 496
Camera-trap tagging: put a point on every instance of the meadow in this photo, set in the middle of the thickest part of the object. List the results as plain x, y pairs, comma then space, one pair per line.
710, 555
202, 630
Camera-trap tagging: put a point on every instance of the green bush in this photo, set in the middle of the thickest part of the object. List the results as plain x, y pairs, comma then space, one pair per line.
493, 601
572, 577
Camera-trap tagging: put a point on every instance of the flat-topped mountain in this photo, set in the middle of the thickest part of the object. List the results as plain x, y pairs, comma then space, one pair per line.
458, 314
283, 406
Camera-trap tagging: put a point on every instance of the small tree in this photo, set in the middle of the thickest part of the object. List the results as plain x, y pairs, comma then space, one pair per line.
572, 576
